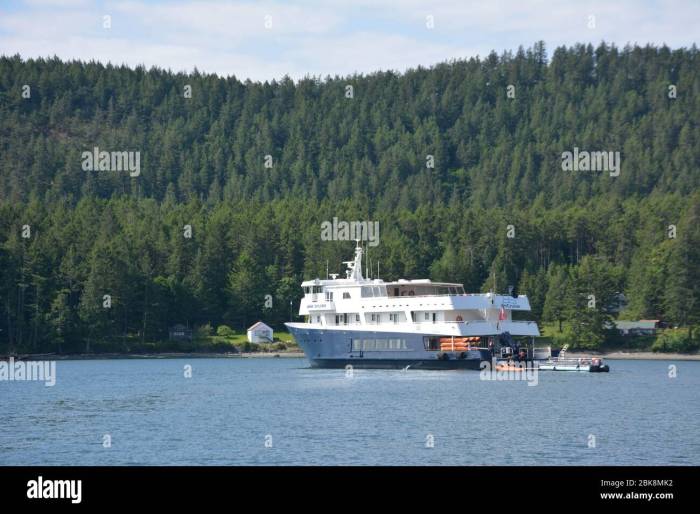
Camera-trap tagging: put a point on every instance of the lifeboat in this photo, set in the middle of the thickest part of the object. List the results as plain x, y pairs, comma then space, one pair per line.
458, 344
508, 367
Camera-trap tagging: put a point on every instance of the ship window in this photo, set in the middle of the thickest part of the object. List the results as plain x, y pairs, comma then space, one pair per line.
394, 316
346, 296
431, 343
370, 345
399, 344
366, 292
357, 318
427, 316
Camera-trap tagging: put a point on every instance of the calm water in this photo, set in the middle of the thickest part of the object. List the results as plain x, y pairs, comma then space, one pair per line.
223, 414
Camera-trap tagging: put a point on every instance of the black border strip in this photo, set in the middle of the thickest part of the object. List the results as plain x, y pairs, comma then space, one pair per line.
500, 486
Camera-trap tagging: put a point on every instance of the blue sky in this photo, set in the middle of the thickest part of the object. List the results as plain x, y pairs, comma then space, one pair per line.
326, 37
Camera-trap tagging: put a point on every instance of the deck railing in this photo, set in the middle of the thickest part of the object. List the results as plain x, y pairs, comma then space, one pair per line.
570, 361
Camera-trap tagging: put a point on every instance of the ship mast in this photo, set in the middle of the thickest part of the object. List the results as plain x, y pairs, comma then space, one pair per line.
354, 270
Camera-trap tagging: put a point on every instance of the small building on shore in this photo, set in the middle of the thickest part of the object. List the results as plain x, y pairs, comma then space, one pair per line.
643, 327
260, 333
180, 332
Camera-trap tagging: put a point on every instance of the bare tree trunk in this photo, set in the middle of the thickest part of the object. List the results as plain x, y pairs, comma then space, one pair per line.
145, 315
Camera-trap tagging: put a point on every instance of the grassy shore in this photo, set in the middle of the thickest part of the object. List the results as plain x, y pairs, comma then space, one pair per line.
664, 344
295, 353
640, 355
237, 346
289, 354
234, 346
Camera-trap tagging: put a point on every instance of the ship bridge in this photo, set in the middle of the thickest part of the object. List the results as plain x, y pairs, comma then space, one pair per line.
373, 304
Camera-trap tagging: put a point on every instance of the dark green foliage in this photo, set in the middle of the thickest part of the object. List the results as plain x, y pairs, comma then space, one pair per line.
675, 341
256, 231
225, 331
488, 149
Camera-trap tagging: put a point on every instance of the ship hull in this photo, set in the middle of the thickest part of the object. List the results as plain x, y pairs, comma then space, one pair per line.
427, 364
340, 348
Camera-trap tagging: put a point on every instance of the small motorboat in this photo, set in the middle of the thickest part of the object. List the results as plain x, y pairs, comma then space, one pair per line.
508, 366
590, 364
598, 366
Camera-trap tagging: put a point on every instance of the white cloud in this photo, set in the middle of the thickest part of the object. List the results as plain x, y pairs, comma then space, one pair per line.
228, 19
368, 51
50, 27
326, 38
58, 3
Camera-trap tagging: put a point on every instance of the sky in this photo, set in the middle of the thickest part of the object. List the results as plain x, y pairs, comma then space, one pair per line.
265, 40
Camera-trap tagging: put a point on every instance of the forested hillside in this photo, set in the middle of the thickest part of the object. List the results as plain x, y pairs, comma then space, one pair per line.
464, 178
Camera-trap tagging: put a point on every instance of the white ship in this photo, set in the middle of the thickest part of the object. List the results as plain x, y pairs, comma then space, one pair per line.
370, 323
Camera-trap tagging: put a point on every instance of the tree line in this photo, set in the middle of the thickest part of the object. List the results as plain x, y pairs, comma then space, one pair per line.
464, 178
199, 263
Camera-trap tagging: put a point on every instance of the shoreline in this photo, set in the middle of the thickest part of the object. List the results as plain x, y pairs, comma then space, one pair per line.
164, 355
638, 355
611, 355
